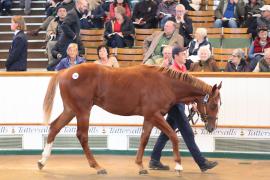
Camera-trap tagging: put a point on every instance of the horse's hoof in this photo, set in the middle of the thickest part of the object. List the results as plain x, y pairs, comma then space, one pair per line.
143, 172
102, 171
178, 172
40, 165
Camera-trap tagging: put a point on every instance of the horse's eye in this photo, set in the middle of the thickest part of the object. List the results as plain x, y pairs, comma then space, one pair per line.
213, 106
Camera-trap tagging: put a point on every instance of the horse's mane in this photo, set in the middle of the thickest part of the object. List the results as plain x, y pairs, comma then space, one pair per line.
195, 82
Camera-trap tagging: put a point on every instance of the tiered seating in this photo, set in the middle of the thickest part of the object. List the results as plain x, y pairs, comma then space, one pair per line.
222, 56
202, 18
214, 36
267, 1
236, 38
129, 56
92, 38
141, 34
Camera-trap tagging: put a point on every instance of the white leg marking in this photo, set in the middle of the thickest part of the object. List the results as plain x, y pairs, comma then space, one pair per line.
178, 167
46, 153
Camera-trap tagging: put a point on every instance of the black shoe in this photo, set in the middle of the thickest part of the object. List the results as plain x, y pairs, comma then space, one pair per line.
157, 165
208, 165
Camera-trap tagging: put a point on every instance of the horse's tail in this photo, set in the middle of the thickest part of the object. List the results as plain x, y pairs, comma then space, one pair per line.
49, 98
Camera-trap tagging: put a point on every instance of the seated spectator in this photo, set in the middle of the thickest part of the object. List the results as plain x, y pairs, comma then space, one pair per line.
117, 3
264, 20
264, 64
94, 18
187, 5
229, 13
72, 58
51, 7
179, 59
206, 62
256, 50
183, 23
54, 31
5, 7
200, 40
167, 59
104, 57
252, 11
144, 14
17, 57
120, 31
237, 63
68, 4
153, 44
166, 9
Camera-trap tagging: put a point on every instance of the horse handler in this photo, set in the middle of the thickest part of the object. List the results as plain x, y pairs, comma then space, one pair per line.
178, 120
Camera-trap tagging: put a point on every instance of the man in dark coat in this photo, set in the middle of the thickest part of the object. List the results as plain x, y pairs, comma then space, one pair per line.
71, 31
17, 58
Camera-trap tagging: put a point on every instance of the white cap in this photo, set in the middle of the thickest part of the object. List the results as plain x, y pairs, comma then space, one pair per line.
265, 8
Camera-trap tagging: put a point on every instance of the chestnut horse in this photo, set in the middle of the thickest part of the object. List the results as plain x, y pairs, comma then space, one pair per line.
138, 90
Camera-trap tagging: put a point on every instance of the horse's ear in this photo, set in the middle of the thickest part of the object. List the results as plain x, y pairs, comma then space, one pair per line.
220, 84
214, 88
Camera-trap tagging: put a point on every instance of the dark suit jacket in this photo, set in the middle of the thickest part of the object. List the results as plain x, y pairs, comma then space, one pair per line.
17, 58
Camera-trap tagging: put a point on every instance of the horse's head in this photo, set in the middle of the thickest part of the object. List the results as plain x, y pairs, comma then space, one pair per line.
208, 107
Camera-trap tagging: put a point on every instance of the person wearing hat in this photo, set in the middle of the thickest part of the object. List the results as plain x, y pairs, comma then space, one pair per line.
263, 20
54, 31
261, 42
237, 63
177, 119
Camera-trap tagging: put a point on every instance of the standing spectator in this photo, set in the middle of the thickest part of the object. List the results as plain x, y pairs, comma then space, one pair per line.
166, 9
153, 44
54, 31
104, 57
118, 3
264, 64
252, 11
71, 30
120, 31
256, 50
144, 14
71, 59
26, 5
177, 119
237, 63
183, 23
200, 40
17, 57
229, 13
5, 6
206, 62
94, 18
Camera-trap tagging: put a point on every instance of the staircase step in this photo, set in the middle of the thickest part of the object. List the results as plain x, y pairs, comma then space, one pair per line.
34, 11
34, 4
32, 44
31, 54
31, 63
8, 35
28, 19
29, 26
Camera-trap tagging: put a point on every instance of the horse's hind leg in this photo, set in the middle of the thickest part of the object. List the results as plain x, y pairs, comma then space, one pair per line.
63, 119
82, 134
161, 124
147, 128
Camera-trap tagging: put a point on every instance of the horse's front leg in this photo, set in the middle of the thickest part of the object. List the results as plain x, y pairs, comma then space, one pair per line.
163, 125
82, 134
147, 128
63, 119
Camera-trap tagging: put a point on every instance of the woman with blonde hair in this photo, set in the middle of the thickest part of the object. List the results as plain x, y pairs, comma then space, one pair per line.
17, 58
72, 58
